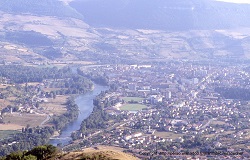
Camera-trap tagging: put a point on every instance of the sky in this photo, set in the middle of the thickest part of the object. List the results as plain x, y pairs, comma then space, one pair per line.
236, 1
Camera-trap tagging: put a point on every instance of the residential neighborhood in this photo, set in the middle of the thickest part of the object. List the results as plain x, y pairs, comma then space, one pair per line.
177, 107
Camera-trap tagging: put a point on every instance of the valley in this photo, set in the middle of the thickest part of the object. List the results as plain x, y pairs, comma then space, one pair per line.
177, 73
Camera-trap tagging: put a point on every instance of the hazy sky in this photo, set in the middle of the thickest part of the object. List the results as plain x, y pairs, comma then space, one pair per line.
236, 1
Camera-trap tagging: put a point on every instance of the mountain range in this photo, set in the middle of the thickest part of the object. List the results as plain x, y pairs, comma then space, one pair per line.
115, 31
140, 14
164, 14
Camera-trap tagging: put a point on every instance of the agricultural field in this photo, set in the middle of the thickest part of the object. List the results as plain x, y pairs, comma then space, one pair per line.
20, 120
4, 103
11, 127
55, 106
133, 107
7, 133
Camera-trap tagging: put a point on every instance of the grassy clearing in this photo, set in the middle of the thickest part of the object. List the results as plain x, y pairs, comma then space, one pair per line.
209, 135
228, 132
24, 119
55, 106
30, 84
168, 135
238, 146
80, 62
12, 127
3, 86
7, 133
133, 107
4, 103
217, 122
137, 99
224, 134
51, 89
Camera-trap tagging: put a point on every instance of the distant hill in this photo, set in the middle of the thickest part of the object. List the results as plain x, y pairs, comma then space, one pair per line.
38, 7
163, 14
123, 31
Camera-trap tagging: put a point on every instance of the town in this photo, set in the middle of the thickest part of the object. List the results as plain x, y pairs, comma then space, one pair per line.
181, 109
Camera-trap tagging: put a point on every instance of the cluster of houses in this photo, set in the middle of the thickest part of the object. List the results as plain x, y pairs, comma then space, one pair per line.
182, 101
27, 102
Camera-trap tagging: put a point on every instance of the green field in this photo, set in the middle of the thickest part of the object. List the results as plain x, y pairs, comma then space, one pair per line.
136, 99
133, 107
6, 134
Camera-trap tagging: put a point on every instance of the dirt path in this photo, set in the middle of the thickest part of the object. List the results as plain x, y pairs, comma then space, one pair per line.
43, 122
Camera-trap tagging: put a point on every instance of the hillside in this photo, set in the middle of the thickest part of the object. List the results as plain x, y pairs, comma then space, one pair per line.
51, 31
168, 15
50, 152
109, 153
40, 8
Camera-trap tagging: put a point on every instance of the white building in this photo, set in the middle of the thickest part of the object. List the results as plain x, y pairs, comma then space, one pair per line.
168, 95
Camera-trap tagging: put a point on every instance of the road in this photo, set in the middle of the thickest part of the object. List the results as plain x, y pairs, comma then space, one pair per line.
46, 120
208, 123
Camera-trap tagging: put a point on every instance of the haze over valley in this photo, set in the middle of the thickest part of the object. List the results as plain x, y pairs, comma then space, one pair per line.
157, 79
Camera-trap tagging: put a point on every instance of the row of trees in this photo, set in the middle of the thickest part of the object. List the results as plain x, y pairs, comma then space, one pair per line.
98, 119
71, 114
98, 78
24, 74
75, 85
26, 140
234, 93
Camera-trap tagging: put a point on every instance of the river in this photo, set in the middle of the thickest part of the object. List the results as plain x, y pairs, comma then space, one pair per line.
85, 105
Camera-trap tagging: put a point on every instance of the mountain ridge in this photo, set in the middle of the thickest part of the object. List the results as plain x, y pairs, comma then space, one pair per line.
164, 14
40, 8
70, 38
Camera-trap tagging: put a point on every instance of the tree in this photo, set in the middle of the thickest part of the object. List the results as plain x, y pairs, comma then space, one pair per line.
39, 152
51, 150
15, 155
29, 157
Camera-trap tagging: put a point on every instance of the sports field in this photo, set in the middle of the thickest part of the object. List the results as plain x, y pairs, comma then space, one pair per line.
133, 107
136, 99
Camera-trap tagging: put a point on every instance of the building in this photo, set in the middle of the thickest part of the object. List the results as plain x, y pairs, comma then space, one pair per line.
168, 95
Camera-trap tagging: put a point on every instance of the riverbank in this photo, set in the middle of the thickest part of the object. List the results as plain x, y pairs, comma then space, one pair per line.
85, 107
